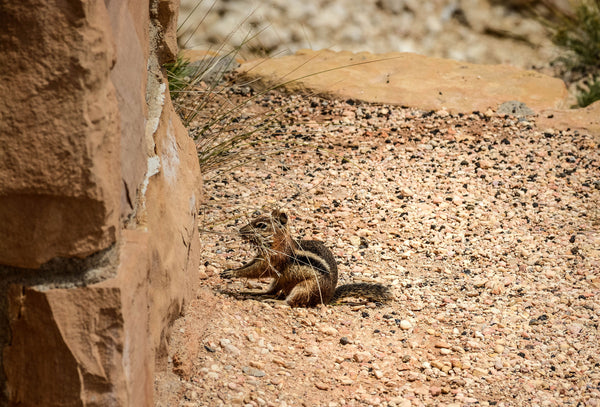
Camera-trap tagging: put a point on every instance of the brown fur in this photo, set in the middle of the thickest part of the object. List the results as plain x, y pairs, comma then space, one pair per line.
304, 272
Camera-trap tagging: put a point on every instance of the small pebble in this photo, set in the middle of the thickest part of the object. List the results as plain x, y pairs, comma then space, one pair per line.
321, 386
231, 350
362, 357
253, 371
405, 324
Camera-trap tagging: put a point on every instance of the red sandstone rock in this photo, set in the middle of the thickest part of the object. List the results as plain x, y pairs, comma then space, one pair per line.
130, 77
59, 132
100, 343
170, 218
84, 345
93, 160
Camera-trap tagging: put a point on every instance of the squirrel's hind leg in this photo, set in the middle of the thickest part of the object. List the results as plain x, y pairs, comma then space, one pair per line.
307, 294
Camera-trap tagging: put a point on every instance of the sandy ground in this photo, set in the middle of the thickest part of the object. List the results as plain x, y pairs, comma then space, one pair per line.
486, 228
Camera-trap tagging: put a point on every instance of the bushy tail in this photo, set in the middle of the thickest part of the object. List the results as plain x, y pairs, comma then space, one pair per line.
369, 291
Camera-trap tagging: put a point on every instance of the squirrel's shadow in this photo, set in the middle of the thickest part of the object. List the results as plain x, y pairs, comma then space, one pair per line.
251, 295
261, 296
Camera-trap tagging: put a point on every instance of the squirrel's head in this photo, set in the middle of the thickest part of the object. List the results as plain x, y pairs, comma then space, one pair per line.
263, 230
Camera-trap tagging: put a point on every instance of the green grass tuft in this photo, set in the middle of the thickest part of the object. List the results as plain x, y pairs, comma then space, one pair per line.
588, 93
178, 75
579, 36
577, 33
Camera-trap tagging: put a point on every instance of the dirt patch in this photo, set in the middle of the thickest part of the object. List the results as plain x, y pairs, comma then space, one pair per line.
485, 227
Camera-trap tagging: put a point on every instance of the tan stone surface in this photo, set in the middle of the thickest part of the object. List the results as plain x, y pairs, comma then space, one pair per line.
166, 14
587, 119
59, 132
129, 76
424, 83
172, 199
135, 367
408, 80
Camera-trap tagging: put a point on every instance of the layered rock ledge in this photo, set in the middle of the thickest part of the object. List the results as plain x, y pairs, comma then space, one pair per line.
99, 188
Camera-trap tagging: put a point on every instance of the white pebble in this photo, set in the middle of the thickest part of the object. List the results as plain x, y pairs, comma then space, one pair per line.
405, 324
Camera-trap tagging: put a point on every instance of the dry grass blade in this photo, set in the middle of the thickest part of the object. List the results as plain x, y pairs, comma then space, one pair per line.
224, 135
220, 136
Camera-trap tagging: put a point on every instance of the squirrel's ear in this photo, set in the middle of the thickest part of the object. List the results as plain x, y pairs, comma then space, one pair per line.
280, 216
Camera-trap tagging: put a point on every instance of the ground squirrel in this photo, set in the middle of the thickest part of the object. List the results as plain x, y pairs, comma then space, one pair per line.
304, 272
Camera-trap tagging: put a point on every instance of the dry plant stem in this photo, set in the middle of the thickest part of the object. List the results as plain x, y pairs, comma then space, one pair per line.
191, 13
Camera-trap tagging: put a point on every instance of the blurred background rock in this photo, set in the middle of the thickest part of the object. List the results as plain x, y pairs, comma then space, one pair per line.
480, 31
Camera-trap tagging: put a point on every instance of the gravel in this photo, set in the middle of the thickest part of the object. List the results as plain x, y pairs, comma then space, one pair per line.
485, 226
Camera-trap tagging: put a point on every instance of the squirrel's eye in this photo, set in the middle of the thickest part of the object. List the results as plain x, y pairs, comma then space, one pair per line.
261, 225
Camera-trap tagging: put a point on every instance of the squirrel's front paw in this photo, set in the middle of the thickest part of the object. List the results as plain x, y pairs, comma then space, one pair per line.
227, 274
